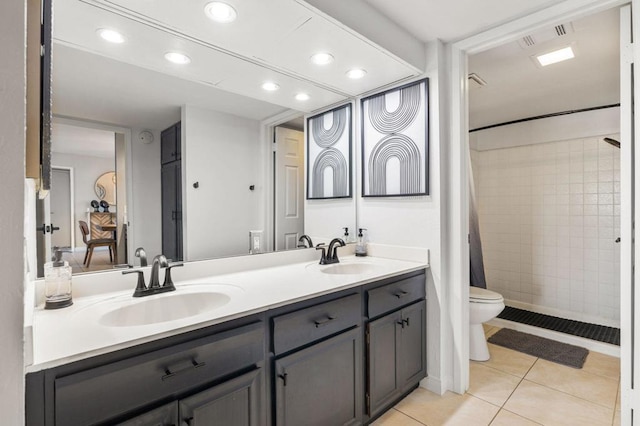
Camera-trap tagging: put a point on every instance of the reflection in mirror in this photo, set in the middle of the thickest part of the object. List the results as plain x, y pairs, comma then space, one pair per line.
216, 186
105, 188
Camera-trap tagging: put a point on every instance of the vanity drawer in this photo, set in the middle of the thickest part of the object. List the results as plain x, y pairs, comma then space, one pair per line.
99, 394
392, 296
314, 323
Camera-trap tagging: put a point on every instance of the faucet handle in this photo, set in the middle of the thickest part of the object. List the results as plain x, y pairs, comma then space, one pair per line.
323, 259
168, 282
140, 286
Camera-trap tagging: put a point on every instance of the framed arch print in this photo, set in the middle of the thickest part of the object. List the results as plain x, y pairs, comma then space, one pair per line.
329, 154
395, 142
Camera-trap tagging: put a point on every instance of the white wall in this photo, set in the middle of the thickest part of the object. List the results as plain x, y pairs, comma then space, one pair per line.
12, 163
549, 214
86, 169
146, 219
417, 222
222, 153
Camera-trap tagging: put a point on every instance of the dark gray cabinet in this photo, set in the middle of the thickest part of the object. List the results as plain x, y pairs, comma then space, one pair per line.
171, 180
321, 385
237, 402
396, 340
396, 354
171, 144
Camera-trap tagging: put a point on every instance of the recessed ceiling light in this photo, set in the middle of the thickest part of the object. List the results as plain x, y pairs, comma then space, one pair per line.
302, 97
356, 73
555, 56
270, 86
111, 36
322, 58
177, 58
220, 12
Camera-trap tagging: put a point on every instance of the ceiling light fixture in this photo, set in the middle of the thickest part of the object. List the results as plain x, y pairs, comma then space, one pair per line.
177, 58
111, 36
270, 86
220, 12
302, 97
555, 56
322, 58
356, 73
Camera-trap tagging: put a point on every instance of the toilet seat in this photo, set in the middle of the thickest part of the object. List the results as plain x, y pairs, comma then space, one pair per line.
482, 295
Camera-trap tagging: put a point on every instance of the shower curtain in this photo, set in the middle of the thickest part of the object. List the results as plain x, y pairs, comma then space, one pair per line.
476, 267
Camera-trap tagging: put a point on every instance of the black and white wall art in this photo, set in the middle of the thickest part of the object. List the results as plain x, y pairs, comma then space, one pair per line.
395, 146
329, 154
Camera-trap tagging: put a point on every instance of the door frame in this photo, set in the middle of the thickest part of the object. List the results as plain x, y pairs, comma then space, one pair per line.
455, 245
130, 213
267, 136
71, 200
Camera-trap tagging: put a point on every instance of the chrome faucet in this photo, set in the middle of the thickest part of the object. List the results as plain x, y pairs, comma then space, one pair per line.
303, 244
142, 255
331, 255
154, 287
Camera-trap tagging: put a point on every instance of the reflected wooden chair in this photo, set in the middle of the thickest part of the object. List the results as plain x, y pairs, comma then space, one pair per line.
97, 242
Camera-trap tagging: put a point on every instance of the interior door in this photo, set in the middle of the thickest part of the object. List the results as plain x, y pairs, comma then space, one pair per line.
60, 203
289, 187
43, 232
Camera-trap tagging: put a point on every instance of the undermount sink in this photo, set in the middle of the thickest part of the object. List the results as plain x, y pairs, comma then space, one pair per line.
349, 268
168, 307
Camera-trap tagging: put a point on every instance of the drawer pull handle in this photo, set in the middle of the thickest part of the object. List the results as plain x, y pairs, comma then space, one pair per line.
401, 294
320, 323
194, 364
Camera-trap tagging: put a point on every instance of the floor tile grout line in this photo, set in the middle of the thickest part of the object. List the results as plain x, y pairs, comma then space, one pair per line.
574, 396
514, 391
412, 418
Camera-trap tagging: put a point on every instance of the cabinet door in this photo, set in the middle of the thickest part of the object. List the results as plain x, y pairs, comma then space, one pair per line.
382, 354
236, 402
172, 211
412, 353
321, 385
167, 415
170, 144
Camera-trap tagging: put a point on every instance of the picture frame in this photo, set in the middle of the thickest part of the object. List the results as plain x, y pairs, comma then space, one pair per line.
329, 155
395, 144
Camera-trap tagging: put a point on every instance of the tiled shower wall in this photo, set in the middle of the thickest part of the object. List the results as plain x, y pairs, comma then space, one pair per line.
549, 216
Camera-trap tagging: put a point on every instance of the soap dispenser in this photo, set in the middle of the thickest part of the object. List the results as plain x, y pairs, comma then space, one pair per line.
345, 237
57, 282
361, 245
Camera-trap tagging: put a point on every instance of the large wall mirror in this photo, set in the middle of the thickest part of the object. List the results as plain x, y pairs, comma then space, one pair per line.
127, 72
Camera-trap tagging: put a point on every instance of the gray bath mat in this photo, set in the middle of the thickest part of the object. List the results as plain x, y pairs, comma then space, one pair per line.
561, 353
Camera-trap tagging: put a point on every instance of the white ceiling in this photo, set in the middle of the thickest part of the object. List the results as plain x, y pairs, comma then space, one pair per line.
271, 40
518, 88
455, 19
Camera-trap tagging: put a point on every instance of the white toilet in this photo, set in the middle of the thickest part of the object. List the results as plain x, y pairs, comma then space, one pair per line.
484, 305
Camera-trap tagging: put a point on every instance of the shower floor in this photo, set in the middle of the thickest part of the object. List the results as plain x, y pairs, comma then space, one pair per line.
596, 332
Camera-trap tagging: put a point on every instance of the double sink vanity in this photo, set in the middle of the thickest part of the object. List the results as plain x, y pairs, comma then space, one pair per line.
259, 340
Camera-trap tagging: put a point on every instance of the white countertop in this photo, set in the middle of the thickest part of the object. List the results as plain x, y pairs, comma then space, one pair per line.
74, 333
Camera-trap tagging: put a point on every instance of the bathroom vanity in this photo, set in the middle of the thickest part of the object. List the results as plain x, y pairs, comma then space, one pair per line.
324, 346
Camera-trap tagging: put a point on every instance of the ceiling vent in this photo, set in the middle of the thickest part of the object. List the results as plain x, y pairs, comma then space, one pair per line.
475, 81
539, 37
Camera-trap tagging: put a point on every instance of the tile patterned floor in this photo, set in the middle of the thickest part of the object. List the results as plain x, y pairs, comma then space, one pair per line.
514, 389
